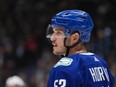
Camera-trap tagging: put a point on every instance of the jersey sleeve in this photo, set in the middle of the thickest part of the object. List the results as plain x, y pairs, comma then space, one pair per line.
63, 78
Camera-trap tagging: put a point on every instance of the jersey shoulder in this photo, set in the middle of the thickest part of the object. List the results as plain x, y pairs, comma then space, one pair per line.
91, 59
75, 61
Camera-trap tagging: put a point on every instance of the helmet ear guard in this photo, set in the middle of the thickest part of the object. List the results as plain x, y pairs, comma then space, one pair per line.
85, 36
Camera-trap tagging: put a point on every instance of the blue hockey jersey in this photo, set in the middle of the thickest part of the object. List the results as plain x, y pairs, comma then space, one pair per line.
81, 70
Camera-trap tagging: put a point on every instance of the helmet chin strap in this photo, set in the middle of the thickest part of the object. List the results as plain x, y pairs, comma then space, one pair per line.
69, 47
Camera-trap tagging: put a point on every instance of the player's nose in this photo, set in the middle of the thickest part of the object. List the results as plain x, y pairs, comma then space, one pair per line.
52, 38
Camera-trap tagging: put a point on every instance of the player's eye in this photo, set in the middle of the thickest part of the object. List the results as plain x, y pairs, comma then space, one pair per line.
58, 34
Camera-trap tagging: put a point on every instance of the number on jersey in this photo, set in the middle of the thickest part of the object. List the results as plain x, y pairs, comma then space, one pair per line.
61, 83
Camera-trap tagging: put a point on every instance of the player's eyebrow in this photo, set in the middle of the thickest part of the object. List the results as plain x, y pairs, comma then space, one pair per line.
58, 29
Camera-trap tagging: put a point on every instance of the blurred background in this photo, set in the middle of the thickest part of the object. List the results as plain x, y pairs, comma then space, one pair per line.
24, 49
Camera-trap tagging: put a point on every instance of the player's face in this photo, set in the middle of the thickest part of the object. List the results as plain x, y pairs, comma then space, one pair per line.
57, 40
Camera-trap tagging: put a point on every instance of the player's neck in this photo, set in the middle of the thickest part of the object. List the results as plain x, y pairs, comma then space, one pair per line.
78, 49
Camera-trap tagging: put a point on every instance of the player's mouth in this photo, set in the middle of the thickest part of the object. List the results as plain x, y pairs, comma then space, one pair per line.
54, 46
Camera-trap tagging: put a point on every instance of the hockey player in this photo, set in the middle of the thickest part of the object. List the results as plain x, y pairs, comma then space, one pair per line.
68, 31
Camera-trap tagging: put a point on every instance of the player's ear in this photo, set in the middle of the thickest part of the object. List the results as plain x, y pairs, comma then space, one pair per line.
74, 38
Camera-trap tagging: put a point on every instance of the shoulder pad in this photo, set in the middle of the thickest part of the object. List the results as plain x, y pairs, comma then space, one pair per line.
64, 62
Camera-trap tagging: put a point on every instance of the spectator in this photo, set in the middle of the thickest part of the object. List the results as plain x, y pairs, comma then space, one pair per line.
15, 81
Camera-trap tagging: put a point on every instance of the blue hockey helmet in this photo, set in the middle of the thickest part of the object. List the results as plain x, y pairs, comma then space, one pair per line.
71, 21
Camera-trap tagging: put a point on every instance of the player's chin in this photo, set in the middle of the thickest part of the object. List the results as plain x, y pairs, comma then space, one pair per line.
57, 52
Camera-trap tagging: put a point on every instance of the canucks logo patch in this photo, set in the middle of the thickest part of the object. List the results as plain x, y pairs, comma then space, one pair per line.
64, 62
